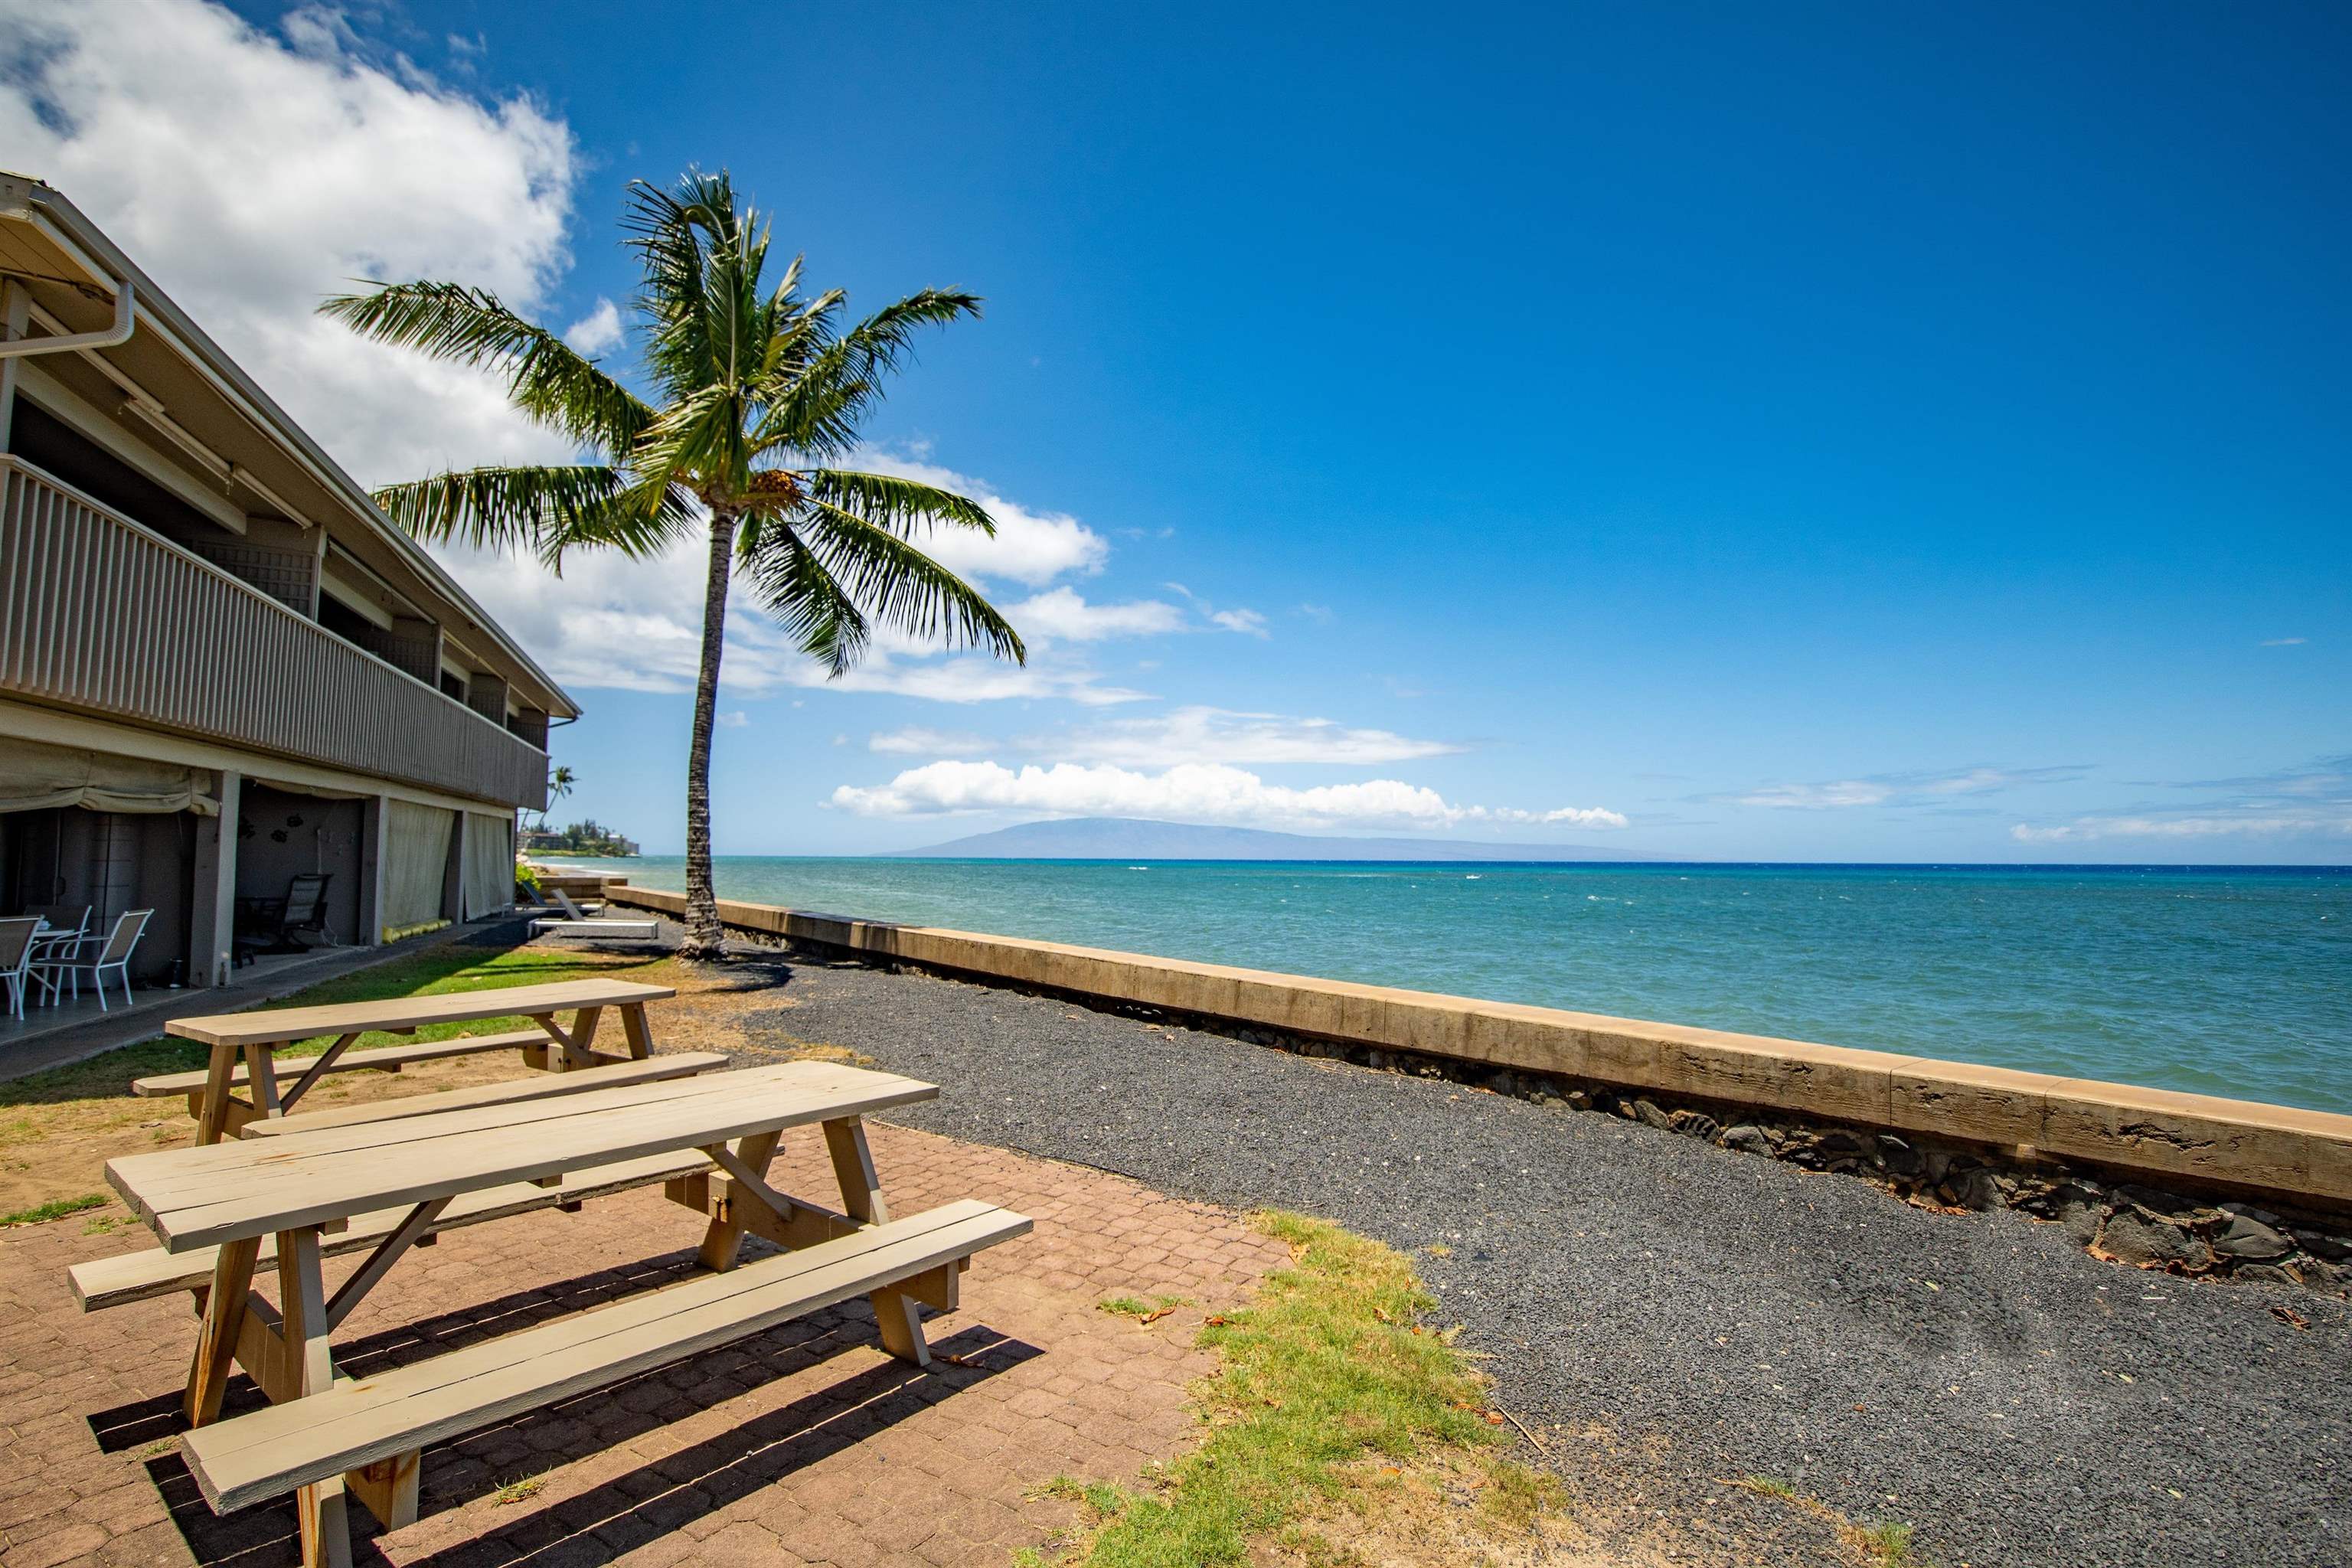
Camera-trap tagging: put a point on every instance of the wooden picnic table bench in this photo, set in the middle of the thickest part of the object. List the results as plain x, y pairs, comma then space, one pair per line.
257, 1035
326, 1436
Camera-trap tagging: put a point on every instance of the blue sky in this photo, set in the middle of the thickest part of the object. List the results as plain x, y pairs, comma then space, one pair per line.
1804, 432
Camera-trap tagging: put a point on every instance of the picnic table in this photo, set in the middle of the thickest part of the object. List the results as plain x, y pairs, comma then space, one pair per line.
329, 1439
256, 1036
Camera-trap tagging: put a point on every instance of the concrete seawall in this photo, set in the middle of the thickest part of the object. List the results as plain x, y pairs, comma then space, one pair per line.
2304, 1157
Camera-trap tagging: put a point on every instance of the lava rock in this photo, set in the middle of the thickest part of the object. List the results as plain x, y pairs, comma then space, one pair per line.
2319, 1244
2141, 1237
1647, 1114
2082, 1221
2156, 1201
2266, 1274
1898, 1156
1749, 1139
1973, 1189
2247, 1237
1839, 1144
1696, 1124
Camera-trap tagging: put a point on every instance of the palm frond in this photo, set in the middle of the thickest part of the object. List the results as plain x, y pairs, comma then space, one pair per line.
813, 606
902, 506
546, 511
893, 581
555, 385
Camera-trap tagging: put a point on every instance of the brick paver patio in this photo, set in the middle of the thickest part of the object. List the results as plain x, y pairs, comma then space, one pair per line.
806, 1444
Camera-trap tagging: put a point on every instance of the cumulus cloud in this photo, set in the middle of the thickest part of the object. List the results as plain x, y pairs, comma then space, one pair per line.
1192, 791
253, 172
1064, 614
1030, 547
597, 332
1206, 734
737, 719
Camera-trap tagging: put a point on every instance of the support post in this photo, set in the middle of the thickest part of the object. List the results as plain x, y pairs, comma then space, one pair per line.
212, 914
375, 825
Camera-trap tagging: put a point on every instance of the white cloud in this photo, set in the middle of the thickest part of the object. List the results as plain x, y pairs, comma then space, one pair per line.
1031, 547
737, 719
916, 741
1817, 797
1062, 615
2284, 642
1901, 789
1191, 791
253, 173
1204, 734
597, 331
1247, 621
2094, 827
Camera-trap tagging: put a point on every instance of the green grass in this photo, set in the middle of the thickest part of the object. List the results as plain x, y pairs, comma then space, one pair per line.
1886, 1543
436, 971
1328, 1371
56, 1208
1129, 1307
1768, 1486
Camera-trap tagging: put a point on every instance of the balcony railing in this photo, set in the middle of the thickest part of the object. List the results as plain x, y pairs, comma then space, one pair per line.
96, 612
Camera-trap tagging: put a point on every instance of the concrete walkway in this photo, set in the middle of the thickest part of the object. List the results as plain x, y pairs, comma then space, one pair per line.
42, 1042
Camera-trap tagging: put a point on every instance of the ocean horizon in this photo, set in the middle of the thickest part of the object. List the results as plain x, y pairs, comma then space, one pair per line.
2229, 980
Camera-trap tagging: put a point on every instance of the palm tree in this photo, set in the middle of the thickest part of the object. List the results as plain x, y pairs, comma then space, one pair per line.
559, 781
752, 392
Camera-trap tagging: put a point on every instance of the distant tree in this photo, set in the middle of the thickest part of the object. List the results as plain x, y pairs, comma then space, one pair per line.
559, 781
753, 393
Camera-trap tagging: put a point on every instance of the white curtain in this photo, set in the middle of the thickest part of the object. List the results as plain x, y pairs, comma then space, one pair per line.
489, 864
415, 859
35, 778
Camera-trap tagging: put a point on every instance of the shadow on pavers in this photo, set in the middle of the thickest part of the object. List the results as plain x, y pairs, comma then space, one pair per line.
655, 1499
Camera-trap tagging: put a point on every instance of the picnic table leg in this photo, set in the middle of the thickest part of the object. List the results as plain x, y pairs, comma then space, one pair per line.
632, 1025
217, 1337
724, 1237
302, 1295
895, 1312
213, 1113
261, 1077
574, 1041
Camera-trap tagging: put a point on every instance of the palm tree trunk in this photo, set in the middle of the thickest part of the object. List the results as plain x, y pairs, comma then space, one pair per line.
704, 938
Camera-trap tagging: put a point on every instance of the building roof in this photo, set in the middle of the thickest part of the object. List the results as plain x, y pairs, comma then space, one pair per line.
195, 396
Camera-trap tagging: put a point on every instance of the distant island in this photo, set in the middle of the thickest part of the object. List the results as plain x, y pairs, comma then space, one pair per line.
1133, 838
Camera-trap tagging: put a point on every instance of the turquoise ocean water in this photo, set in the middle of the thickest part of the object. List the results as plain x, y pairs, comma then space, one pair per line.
2230, 981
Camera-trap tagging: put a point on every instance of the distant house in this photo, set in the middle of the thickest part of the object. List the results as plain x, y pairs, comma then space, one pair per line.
220, 665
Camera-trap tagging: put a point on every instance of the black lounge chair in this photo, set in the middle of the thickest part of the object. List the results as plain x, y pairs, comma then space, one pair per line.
278, 925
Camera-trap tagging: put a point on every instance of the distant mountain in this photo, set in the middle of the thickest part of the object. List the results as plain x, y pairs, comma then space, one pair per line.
1131, 838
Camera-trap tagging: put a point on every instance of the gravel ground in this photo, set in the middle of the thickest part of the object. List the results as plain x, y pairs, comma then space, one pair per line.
1669, 1315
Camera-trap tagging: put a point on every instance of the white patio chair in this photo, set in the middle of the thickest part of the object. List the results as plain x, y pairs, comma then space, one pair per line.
16, 958
63, 928
120, 943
